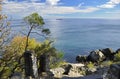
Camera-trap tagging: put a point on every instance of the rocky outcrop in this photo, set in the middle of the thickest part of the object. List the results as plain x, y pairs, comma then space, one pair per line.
113, 72
89, 71
95, 56
109, 53
118, 50
81, 59
67, 69
70, 69
58, 72
73, 69
16, 75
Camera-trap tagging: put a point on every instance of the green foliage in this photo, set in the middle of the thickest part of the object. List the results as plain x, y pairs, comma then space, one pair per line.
60, 55
46, 47
34, 19
12, 54
46, 31
18, 43
106, 63
117, 57
12, 60
4, 37
57, 64
90, 65
4, 31
55, 55
57, 61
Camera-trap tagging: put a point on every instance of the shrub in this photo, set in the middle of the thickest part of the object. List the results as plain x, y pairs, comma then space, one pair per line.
90, 65
117, 57
57, 61
106, 63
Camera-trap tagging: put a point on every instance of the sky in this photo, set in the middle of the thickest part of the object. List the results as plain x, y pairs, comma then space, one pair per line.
63, 8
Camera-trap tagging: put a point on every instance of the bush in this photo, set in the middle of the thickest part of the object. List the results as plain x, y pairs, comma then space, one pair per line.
90, 65
106, 63
9, 63
57, 61
117, 57
57, 64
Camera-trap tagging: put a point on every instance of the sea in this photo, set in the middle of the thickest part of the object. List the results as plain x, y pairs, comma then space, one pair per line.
78, 36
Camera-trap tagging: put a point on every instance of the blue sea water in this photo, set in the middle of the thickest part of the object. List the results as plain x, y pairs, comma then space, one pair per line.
80, 36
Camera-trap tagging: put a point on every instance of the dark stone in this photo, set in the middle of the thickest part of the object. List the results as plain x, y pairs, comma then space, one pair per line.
118, 50
16, 75
114, 71
88, 72
44, 63
109, 53
95, 56
67, 69
81, 59
28, 63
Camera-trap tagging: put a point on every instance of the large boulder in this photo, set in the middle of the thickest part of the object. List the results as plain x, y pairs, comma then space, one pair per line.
81, 59
90, 71
16, 75
58, 72
109, 53
113, 72
73, 69
118, 51
95, 56
67, 69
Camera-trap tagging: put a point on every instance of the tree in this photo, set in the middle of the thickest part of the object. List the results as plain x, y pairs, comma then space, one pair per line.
46, 50
12, 53
35, 21
4, 29
11, 59
4, 39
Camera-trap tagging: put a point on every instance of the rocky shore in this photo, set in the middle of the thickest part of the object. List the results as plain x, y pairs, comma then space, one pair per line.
97, 65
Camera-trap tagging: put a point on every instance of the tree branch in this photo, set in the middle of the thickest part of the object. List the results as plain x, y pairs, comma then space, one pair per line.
28, 37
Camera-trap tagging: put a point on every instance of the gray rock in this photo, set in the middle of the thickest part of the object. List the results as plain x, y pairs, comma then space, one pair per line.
81, 59
113, 72
95, 56
109, 53
58, 72
17, 75
67, 69
118, 50
70, 70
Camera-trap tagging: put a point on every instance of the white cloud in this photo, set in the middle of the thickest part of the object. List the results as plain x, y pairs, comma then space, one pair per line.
110, 4
25, 8
66, 10
52, 2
